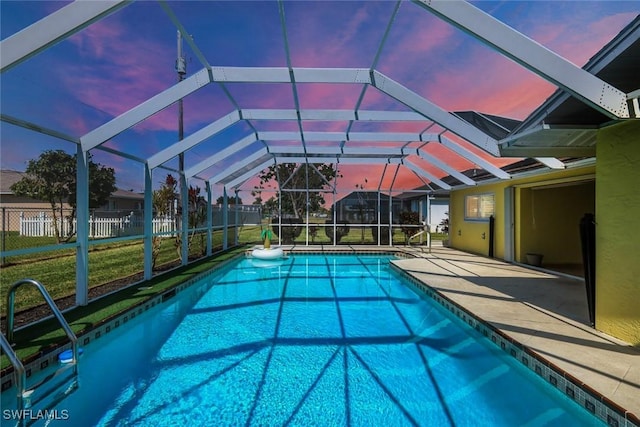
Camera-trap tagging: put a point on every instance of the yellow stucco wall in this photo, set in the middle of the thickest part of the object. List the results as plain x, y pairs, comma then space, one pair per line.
618, 231
468, 235
549, 221
536, 230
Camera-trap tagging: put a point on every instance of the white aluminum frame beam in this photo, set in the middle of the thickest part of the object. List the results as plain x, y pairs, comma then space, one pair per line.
144, 110
280, 150
284, 75
37, 128
52, 29
333, 115
369, 161
237, 182
531, 55
551, 162
417, 169
339, 160
344, 136
194, 139
238, 165
433, 112
303, 160
212, 160
474, 158
445, 167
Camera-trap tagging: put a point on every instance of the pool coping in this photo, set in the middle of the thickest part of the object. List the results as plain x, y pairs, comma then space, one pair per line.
593, 401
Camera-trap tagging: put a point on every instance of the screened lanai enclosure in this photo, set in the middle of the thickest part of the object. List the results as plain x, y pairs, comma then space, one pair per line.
325, 122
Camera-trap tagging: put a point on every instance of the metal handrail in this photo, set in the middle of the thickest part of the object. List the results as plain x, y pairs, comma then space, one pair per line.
18, 367
54, 309
5, 342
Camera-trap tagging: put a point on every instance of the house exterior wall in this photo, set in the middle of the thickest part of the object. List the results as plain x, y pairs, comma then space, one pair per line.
545, 220
618, 231
468, 235
549, 221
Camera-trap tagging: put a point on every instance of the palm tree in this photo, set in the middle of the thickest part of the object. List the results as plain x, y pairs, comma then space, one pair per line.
266, 235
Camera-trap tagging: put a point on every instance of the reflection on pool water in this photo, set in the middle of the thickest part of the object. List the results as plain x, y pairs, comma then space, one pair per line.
310, 340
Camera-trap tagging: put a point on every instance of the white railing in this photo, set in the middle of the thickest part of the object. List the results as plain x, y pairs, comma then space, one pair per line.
42, 225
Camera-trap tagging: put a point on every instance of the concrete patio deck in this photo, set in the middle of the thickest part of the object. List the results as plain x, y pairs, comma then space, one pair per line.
541, 310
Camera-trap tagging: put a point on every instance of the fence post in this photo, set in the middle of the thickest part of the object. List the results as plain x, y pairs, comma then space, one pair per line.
4, 234
41, 225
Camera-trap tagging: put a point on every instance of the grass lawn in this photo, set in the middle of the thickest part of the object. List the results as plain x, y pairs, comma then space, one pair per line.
56, 270
45, 335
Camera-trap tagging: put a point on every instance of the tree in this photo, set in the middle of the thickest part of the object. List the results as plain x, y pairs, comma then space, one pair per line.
166, 203
163, 203
52, 178
407, 220
196, 216
444, 224
230, 200
294, 177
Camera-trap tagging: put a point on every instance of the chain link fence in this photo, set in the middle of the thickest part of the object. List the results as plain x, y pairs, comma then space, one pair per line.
24, 228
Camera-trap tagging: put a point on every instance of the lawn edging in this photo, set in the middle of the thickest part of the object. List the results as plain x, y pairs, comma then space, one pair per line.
37, 340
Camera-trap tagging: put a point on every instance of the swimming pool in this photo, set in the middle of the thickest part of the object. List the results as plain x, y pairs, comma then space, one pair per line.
311, 340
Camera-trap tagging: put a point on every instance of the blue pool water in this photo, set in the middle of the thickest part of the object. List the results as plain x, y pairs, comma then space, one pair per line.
314, 340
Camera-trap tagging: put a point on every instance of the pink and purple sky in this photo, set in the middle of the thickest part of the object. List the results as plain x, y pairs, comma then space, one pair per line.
129, 56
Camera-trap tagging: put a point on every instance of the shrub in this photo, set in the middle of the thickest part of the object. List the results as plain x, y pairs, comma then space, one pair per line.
342, 229
409, 218
384, 233
291, 229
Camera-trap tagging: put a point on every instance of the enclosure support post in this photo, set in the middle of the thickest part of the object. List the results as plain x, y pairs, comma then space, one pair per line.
209, 218
82, 226
422, 218
236, 219
4, 234
184, 219
148, 224
307, 208
390, 219
335, 219
279, 215
379, 231
225, 219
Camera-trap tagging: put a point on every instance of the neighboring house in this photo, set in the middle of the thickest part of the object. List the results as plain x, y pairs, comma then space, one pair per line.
120, 200
361, 207
123, 201
12, 207
10, 200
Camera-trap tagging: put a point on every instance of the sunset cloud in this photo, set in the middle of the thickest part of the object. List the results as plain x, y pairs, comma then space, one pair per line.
123, 60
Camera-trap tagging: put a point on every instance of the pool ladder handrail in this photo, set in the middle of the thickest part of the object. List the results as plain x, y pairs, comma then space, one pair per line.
18, 367
426, 231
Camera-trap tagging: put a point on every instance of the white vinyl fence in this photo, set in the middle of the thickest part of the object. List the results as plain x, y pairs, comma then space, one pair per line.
42, 225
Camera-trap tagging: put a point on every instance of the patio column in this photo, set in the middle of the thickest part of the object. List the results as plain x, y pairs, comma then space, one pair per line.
82, 226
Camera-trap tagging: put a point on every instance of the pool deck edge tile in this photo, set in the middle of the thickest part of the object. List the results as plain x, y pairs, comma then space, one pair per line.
542, 311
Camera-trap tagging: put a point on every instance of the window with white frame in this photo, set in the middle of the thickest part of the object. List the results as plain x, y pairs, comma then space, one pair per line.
479, 207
